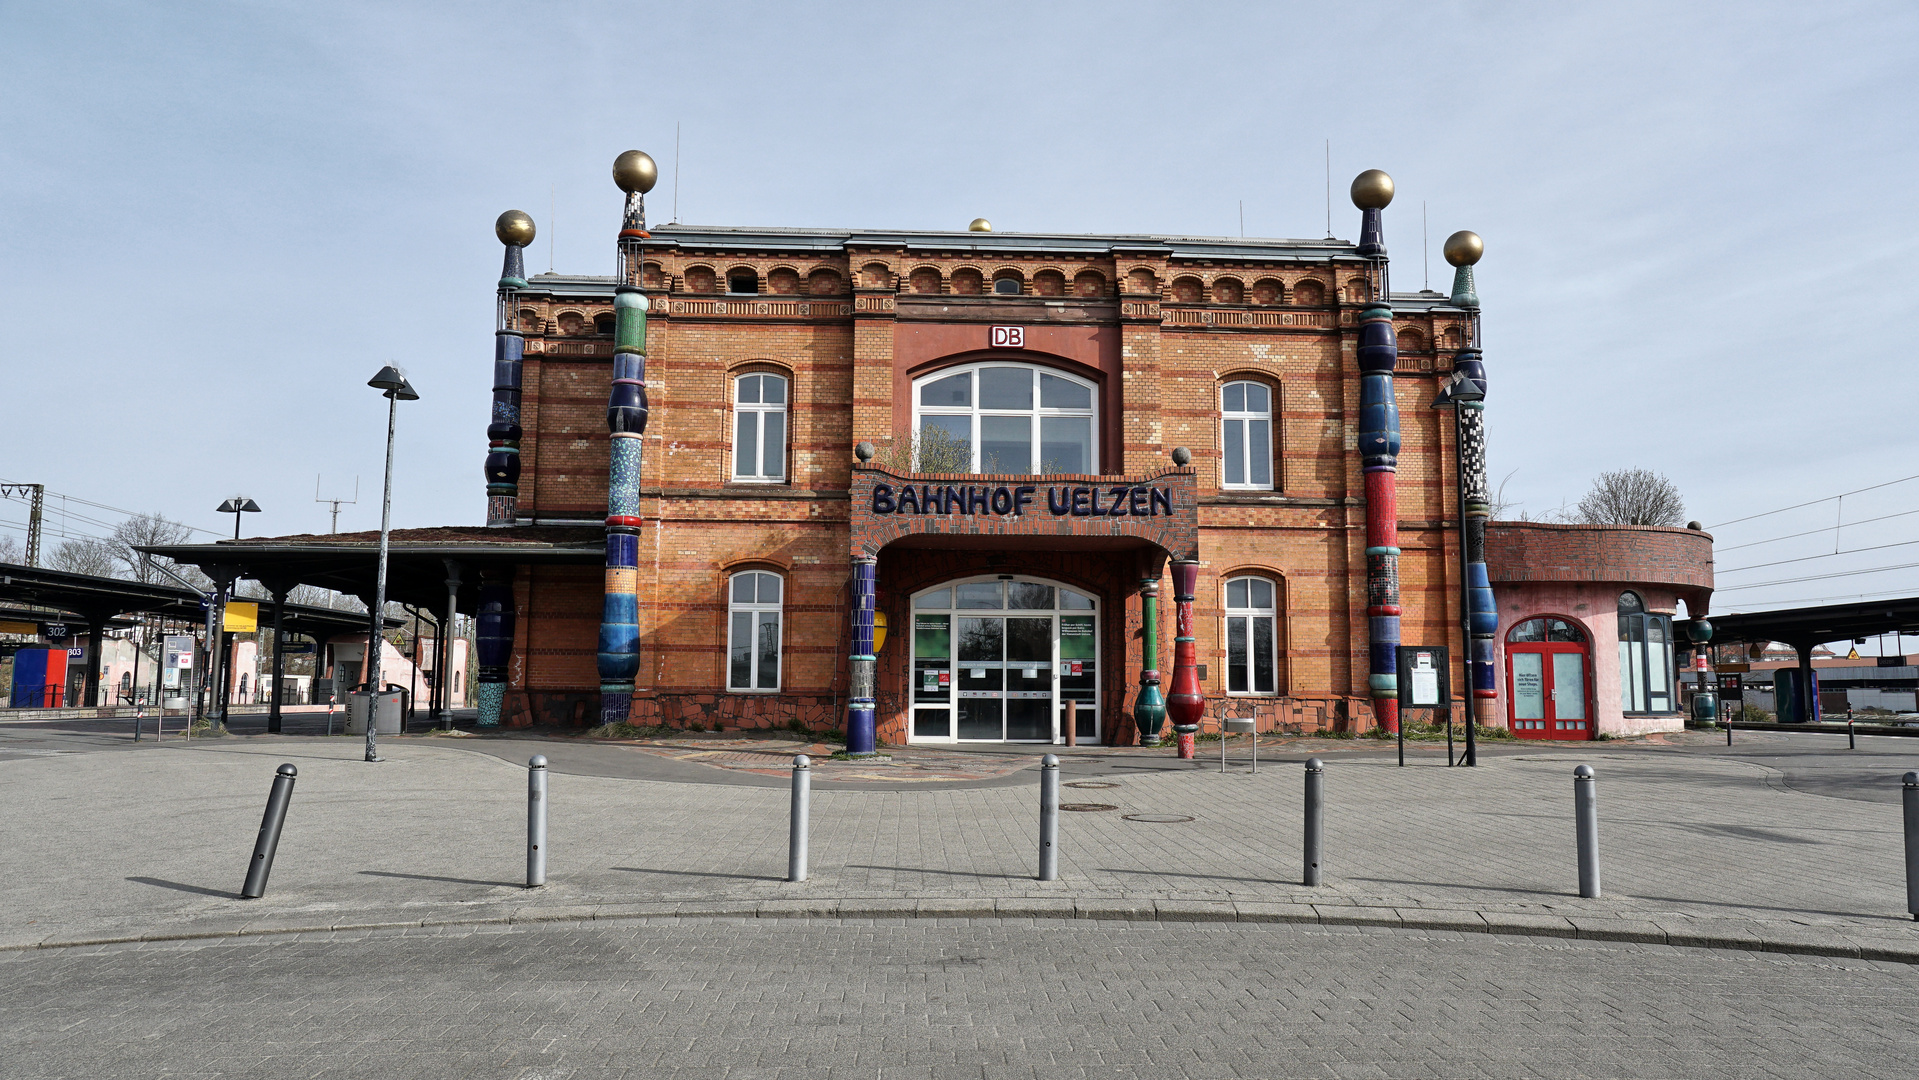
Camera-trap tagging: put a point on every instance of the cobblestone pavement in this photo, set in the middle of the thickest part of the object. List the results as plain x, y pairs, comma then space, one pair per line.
1697, 848
926, 999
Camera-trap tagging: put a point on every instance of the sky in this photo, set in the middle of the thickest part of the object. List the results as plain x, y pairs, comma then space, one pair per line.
1699, 219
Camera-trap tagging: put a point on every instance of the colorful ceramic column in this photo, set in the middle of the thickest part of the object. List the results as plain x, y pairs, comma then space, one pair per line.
1463, 249
1149, 709
863, 665
515, 230
619, 657
493, 642
1186, 703
1378, 354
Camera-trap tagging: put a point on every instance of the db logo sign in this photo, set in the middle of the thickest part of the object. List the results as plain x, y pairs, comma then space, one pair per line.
1009, 337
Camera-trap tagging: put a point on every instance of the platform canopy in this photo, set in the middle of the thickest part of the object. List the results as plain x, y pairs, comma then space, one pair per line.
418, 560
31, 593
1810, 626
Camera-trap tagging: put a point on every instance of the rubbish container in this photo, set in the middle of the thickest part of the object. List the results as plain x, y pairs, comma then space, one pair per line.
387, 710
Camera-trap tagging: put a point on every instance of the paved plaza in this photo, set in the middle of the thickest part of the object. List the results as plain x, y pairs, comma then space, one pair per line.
1753, 920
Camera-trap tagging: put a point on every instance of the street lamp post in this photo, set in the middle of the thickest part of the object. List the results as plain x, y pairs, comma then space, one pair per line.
393, 384
219, 645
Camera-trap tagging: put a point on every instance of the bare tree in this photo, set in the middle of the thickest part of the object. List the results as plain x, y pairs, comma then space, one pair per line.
149, 530
929, 450
86, 555
1631, 497
11, 551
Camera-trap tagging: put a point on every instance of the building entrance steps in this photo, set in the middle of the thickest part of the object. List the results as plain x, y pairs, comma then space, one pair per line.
152, 842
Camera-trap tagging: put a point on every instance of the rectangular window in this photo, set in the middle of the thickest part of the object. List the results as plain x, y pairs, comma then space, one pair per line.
1251, 666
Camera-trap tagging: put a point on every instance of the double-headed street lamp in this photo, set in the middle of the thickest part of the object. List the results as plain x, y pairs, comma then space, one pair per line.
216, 677
392, 382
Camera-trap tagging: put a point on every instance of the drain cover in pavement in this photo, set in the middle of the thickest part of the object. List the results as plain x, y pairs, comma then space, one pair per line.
1086, 807
1159, 819
1090, 784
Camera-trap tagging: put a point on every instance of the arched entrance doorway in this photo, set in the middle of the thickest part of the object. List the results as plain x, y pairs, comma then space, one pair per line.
997, 659
1548, 680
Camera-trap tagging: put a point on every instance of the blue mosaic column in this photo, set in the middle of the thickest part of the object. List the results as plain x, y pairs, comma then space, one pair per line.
1463, 249
863, 667
515, 230
626, 414
493, 640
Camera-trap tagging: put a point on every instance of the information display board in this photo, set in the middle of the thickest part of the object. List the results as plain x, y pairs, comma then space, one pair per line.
1425, 677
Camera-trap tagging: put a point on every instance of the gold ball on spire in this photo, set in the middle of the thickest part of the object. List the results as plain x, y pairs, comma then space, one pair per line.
980, 224
1464, 248
635, 171
514, 228
1372, 190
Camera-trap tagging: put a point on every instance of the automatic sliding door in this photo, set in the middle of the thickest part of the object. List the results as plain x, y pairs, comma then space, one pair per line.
980, 657
1029, 679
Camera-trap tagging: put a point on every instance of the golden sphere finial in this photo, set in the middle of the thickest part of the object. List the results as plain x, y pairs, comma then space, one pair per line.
514, 228
1372, 190
635, 171
980, 224
1464, 248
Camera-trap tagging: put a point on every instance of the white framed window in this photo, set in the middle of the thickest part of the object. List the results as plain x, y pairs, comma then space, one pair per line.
759, 428
1252, 639
1246, 436
1010, 418
753, 631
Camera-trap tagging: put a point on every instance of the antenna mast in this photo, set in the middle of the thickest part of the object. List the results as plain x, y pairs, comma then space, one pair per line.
336, 503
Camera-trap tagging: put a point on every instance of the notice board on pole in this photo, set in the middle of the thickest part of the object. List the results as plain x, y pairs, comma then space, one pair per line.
1425, 677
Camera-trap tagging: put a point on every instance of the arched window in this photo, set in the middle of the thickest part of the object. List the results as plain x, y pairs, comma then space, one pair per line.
1246, 436
1645, 657
743, 280
1252, 640
603, 324
753, 631
1007, 283
759, 428
1010, 418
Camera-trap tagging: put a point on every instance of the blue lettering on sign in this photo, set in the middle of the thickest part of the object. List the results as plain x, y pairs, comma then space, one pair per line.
1124, 500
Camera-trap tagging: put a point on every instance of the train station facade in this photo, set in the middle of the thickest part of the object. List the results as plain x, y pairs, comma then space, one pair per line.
1050, 422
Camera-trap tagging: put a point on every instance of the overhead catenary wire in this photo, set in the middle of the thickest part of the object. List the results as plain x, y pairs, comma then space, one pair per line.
1821, 555
1817, 577
1813, 532
1814, 502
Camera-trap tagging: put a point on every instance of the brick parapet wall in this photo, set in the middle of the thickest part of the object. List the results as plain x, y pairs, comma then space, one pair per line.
1534, 551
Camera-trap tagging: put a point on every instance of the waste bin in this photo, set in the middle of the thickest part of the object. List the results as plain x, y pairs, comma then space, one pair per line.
358, 704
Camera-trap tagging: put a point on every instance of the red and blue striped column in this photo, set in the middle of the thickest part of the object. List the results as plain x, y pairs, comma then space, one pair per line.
1378, 355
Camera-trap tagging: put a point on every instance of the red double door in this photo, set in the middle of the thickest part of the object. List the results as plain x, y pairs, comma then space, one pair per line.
1546, 690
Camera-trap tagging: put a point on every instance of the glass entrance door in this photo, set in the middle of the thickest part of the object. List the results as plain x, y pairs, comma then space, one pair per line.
994, 660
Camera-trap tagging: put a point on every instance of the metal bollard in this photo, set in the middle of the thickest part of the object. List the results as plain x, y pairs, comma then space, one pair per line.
1049, 818
269, 841
536, 821
1912, 843
1586, 811
1315, 817
800, 818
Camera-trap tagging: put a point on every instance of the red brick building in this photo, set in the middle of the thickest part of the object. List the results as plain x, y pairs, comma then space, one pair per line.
1064, 371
